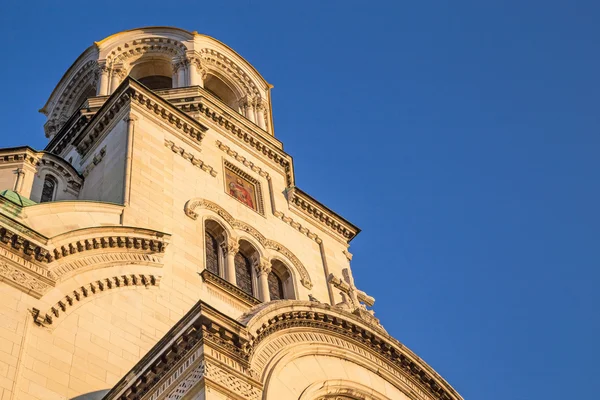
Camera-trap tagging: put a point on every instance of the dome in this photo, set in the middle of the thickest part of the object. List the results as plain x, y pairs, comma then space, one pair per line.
162, 59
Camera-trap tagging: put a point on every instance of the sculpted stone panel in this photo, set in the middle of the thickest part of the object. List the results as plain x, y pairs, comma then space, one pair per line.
192, 204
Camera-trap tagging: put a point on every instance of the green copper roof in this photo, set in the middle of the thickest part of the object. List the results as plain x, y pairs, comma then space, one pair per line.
17, 198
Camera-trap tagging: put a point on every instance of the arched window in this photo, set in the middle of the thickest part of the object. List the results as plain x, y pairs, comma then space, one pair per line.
281, 283
221, 90
243, 273
154, 73
48, 189
275, 286
214, 235
212, 253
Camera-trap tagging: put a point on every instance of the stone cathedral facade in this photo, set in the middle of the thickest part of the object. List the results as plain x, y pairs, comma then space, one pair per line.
159, 247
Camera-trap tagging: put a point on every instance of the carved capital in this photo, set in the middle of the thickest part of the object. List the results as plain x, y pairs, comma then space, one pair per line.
103, 68
230, 246
262, 266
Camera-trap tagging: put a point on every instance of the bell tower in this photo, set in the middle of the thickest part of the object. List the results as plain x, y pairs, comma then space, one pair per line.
160, 248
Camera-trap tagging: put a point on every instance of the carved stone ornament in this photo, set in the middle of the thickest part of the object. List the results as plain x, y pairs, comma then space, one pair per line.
193, 159
242, 350
353, 299
192, 204
88, 291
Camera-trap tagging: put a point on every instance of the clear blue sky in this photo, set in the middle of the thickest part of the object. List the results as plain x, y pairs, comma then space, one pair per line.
461, 136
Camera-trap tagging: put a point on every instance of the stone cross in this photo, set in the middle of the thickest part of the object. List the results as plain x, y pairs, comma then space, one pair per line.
353, 299
351, 295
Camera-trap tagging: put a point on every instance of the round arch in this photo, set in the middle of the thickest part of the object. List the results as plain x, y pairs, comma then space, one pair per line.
284, 330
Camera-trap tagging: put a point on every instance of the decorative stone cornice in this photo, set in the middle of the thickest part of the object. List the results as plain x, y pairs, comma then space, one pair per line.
155, 374
264, 333
131, 92
400, 362
307, 206
60, 167
192, 204
152, 242
196, 162
227, 150
65, 136
83, 78
42, 262
88, 291
138, 47
297, 226
18, 155
246, 137
41, 159
215, 280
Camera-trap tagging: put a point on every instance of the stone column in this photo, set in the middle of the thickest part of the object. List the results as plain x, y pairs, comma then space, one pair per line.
19, 181
181, 81
230, 248
260, 116
196, 71
115, 77
102, 88
263, 269
248, 107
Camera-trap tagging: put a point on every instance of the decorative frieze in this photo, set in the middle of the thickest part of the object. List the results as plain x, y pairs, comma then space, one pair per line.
88, 291
24, 281
191, 205
226, 149
138, 47
156, 245
62, 270
180, 361
297, 226
42, 262
262, 147
194, 160
309, 207
321, 325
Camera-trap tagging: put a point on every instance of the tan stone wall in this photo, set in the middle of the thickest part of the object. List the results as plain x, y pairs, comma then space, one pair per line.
93, 344
104, 181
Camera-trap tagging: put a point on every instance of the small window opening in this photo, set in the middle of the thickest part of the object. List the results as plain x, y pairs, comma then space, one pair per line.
48, 189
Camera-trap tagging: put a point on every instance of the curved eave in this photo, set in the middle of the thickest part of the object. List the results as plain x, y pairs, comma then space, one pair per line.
267, 84
61, 161
114, 35
62, 80
262, 315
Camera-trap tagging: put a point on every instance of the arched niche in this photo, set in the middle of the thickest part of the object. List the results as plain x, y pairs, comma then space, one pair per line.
154, 73
222, 90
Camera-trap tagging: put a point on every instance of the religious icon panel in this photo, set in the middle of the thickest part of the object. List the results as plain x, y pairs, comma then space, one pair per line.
241, 189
